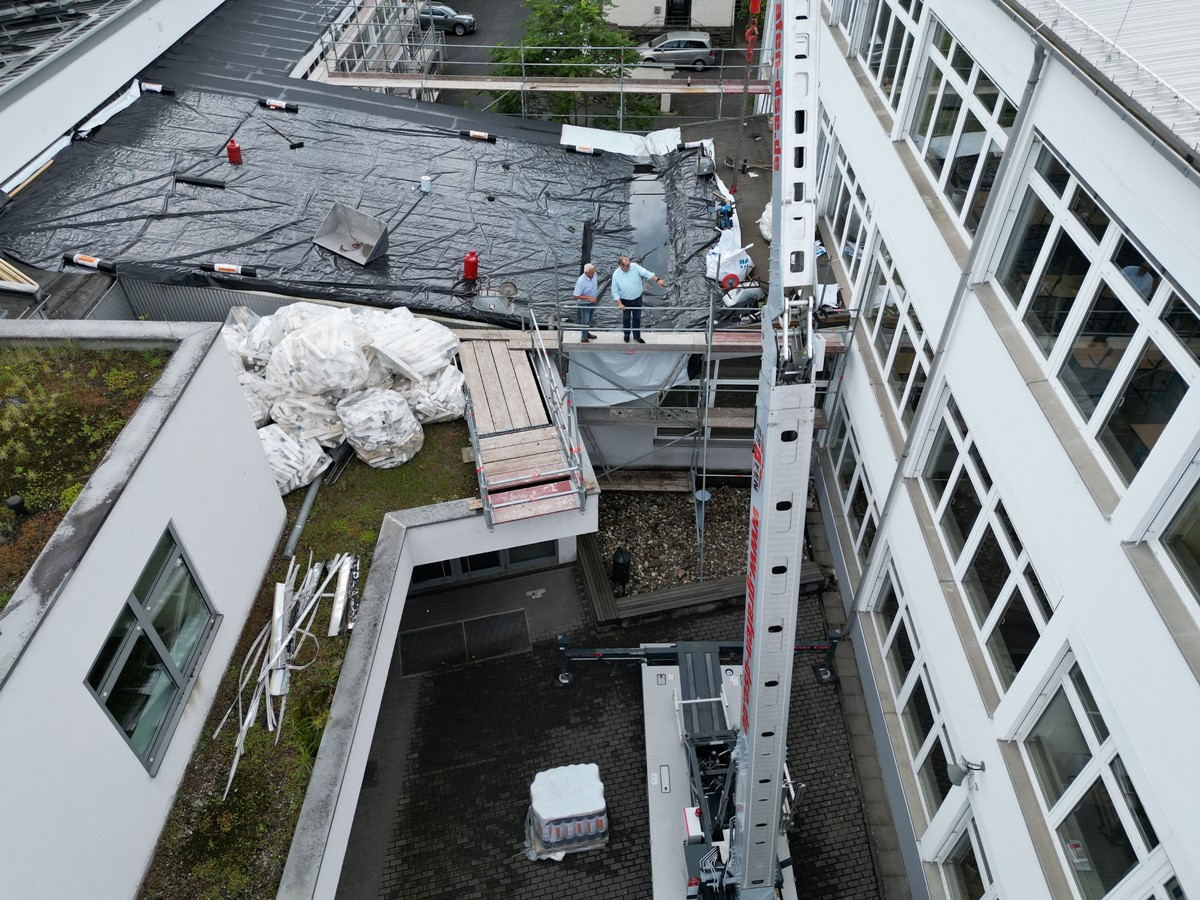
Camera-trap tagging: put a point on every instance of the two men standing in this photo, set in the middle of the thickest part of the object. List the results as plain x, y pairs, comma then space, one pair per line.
627, 290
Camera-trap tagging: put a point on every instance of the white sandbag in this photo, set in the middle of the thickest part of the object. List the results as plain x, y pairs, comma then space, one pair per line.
727, 258
259, 342
416, 348
295, 316
323, 357
765, 222
438, 398
260, 394
312, 415
381, 428
379, 375
294, 460
370, 319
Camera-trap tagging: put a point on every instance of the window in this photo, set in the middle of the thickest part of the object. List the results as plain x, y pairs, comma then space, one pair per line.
1104, 832
1118, 339
480, 565
1182, 540
965, 868
886, 46
146, 664
858, 502
1006, 599
961, 126
902, 348
846, 212
924, 732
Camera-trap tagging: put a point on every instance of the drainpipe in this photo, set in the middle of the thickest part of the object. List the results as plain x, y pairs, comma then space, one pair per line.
960, 293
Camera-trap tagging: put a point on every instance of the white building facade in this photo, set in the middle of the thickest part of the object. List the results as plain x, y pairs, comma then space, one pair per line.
1011, 472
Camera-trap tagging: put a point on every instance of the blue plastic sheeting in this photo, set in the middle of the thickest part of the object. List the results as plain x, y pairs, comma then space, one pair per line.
524, 207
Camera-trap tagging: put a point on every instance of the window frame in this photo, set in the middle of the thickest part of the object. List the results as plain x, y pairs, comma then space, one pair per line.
968, 828
184, 676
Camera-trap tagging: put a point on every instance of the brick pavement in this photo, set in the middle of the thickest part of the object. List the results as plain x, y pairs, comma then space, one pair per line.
457, 750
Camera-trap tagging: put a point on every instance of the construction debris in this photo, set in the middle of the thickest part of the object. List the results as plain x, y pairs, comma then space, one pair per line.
295, 460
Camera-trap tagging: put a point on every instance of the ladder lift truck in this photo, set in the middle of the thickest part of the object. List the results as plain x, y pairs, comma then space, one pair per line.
716, 714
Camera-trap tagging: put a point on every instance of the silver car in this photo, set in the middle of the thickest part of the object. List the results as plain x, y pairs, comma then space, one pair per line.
688, 49
445, 18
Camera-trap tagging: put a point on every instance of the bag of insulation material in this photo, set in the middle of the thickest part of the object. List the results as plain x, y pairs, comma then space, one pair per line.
415, 348
294, 460
323, 357
438, 398
312, 415
381, 428
260, 340
295, 316
260, 394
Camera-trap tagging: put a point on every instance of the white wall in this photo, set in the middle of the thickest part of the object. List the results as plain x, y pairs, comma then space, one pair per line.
641, 14
43, 106
82, 814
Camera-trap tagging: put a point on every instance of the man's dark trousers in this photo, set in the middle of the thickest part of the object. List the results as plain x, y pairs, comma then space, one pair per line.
632, 313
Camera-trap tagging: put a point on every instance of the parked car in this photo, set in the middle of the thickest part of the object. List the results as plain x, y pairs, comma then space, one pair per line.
679, 48
445, 18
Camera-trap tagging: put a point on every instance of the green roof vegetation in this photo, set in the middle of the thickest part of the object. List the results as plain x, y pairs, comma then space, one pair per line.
61, 408
236, 848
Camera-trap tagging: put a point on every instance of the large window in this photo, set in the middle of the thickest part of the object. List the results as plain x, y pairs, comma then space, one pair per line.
901, 347
924, 731
1118, 338
853, 486
965, 870
479, 565
1104, 832
886, 44
144, 669
1007, 602
846, 212
960, 127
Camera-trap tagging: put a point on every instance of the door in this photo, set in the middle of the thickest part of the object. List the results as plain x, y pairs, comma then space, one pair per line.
679, 14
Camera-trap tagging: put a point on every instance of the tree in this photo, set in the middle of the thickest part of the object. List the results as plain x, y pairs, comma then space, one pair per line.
572, 39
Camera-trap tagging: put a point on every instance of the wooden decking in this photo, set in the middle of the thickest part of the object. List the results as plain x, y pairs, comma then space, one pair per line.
520, 453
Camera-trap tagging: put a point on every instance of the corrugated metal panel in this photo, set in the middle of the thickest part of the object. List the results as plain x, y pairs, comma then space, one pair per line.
113, 305
183, 303
1147, 48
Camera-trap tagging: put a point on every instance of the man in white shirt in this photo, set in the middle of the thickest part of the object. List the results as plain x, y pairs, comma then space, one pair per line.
627, 291
587, 291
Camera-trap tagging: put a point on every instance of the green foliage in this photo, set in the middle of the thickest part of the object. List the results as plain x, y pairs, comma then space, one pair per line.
68, 495
572, 39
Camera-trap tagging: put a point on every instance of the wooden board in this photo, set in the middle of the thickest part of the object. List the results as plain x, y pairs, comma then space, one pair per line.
507, 386
520, 451
535, 409
531, 468
493, 396
515, 438
540, 500
479, 405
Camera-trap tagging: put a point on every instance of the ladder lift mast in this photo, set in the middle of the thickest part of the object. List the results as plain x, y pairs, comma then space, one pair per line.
784, 418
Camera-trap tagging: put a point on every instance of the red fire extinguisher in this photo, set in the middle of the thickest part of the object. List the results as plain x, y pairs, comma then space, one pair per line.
471, 266
235, 152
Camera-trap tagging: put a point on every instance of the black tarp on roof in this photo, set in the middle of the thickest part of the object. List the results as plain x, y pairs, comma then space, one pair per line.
522, 206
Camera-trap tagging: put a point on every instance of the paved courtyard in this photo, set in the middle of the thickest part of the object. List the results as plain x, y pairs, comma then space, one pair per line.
443, 804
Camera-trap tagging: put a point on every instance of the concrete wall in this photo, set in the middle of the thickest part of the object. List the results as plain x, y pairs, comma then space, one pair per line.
82, 812
649, 14
45, 104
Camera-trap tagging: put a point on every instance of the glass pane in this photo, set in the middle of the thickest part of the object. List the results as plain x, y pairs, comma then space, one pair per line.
1135, 804
856, 511
1098, 349
941, 130
991, 165
902, 364
158, 559
914, 395
1182, 539
1174, 889
1007, 116
547, 550
929, 92
868, 539
1052, 170
962, 63
874, 293
986, 91
121, 632
1010, 532
142, 696
889, 318
1057, 748
1024, 245
940, 463
846, 470
1013, 640
1182, 318
902, 68
895, 61
963, 877
1089, 704
935, 781
1055, 294
918, 716
941, 38
1039, 594
481, 562
888, 606
1151, 396
901, 655
873, 48
1089, 213
984, 476
986, 575
960, 513
966, 159
429, 572
1095, 843
179, 613
1133, 265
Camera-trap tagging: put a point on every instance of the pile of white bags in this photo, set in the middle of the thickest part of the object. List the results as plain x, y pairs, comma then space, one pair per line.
381, 428
294, 460
328, 374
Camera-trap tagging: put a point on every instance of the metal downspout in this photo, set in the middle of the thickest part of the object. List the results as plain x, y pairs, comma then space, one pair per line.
960, 293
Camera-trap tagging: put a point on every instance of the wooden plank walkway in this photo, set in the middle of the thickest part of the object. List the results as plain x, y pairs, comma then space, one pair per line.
594, 571
504, 392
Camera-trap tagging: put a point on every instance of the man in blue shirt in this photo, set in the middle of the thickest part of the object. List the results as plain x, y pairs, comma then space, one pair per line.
627, 291
587, 291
